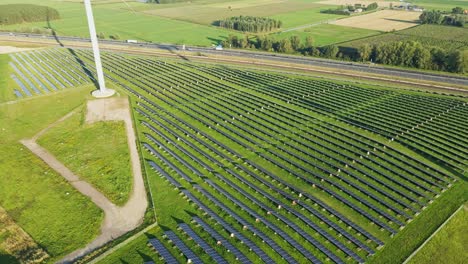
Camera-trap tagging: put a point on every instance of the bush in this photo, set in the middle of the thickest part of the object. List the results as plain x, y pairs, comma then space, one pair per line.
20, 13
372, 6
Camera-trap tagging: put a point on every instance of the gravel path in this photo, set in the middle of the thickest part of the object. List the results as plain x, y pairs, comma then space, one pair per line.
117, 220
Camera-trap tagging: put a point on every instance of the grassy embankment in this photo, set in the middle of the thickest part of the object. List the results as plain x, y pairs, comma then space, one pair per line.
450, 245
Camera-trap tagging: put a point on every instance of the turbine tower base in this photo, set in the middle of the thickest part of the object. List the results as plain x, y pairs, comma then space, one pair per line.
103, 94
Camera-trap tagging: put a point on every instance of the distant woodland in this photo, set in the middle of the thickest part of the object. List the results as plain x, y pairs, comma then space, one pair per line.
20, 13
250, 23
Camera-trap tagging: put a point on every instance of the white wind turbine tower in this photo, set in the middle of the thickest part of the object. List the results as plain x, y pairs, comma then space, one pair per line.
102, 90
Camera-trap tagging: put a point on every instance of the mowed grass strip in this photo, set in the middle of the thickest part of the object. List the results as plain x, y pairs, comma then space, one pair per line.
97, 153
450, 245
50, 210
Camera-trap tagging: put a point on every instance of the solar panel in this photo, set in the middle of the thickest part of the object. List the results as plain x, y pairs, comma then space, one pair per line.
263, 256
21, 85
188, 253
207, 248
164, 174
167, 162
165, 254
224, 242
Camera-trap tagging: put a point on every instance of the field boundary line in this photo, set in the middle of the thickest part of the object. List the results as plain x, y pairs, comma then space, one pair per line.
433, 234
120, 245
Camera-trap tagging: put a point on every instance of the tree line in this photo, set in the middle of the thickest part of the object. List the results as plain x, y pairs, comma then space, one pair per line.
250, 23
402, 53
20, 13
455, 18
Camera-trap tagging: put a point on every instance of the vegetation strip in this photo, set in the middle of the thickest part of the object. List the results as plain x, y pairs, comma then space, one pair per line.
433, 234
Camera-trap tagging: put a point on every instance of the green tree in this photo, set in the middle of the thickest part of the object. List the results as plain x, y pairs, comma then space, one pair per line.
101, 35
330, 51
285, 46
457, 10
295, 42
365, 52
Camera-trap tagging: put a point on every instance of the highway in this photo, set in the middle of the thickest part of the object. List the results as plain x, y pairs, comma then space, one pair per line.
333, 64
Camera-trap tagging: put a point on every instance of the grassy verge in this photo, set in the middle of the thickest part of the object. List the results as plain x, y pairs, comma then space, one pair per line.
51, 211
97, 152
450, 245
407, 240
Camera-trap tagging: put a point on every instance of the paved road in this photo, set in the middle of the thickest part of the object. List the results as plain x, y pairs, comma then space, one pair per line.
352, 66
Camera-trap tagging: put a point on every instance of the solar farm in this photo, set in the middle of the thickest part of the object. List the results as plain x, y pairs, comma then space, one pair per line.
271, 167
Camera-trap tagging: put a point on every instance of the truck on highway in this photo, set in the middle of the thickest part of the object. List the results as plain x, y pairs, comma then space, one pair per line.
131, 41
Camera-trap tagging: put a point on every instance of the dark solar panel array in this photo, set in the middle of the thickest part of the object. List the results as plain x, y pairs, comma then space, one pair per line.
162, 250
286, 256
167, 162
164, 174
224, 242
301, 216
207, 248
188, 253
251, 245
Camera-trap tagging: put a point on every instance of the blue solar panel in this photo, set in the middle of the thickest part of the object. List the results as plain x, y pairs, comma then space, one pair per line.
224, 242
21, 85
164, 174
207, 248
183, 248
263, 256
165, 254
167, 162
21, 65
26, 79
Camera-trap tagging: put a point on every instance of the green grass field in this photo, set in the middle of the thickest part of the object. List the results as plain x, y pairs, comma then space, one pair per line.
441, 4
326, 34
56, 216
84, 148
445, 37
179, 23
450, 245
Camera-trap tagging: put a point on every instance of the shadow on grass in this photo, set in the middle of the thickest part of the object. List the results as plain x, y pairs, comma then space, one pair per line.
6, 258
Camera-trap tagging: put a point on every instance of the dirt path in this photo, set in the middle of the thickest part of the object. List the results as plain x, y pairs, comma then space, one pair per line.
117, 220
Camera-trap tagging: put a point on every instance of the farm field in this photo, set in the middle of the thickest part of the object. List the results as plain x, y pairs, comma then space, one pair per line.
209, 13
384, 20
231, 142
449, 245
177, 23
326, 34
429, 35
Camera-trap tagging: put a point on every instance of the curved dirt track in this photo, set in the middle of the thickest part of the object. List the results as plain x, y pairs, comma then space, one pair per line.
117, 220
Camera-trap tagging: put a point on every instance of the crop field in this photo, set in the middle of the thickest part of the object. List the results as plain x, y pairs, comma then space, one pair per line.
384, 20
430, 35
281, 168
